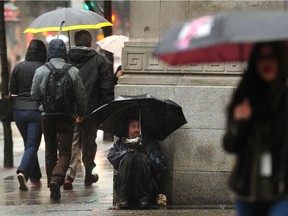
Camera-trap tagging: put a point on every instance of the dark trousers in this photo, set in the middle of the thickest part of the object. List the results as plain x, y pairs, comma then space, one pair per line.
58, 135
88, 131
134, 177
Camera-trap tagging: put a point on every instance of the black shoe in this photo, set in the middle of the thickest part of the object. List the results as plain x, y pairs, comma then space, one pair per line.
124, 204
55, 193
90, 179
144, 203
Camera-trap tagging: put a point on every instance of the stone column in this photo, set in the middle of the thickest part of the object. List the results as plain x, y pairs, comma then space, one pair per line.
197, 166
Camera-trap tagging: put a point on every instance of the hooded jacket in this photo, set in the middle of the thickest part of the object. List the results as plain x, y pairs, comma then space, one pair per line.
57, 55
23, 73
97, 76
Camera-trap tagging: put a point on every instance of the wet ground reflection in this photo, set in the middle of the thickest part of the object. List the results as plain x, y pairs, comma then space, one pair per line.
101, 192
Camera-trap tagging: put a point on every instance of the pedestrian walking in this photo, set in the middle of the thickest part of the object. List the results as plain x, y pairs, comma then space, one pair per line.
139, 165
60, 89
26, 113
98, 79
257, 134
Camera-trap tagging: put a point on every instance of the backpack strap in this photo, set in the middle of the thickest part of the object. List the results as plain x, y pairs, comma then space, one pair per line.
67, 67
51, 67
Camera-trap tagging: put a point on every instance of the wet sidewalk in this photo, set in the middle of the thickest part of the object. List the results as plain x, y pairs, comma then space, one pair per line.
94, 200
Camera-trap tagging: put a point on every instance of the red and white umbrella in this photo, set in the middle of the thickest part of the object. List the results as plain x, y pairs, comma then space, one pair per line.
222, 37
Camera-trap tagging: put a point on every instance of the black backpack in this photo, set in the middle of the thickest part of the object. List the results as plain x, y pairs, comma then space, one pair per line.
58, 96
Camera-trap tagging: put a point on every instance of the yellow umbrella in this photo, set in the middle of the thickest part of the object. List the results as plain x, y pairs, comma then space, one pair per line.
70, 18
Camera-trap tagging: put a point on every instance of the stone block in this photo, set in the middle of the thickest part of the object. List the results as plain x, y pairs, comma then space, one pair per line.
144, 19
200, 188
203, 106
198, 150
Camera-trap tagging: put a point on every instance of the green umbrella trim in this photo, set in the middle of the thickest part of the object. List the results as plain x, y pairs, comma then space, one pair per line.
68, 28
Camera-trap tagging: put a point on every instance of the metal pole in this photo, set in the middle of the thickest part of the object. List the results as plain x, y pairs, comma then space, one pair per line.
8, 141
107, 32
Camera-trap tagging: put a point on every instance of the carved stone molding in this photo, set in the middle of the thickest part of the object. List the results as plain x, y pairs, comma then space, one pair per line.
138, 58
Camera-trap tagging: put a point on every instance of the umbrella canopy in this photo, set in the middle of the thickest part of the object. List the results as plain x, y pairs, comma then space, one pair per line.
113, 43
158, 118
223, 37
74, 19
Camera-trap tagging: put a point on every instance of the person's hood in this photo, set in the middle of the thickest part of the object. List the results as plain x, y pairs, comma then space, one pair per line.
57, 49
36, 51
80, 55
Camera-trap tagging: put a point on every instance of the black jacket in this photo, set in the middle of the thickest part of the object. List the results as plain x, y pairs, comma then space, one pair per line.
23, 73
97, 75
151, 146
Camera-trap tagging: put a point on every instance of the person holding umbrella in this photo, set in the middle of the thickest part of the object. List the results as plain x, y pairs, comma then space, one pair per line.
257, 133
139, 164
140, 121
98, 80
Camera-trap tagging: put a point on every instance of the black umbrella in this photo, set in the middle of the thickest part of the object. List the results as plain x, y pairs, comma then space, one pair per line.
222, 37
158, 118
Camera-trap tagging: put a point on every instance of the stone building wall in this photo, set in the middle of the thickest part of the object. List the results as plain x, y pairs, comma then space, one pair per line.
197, 167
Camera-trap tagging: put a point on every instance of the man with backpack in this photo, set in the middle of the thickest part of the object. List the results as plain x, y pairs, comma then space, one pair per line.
98, 79
60, 89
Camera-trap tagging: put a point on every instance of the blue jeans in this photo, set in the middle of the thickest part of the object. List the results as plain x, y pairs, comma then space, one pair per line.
28, 123
277, 208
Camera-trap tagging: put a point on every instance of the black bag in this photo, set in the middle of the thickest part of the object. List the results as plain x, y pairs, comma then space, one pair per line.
58, 96
6, 109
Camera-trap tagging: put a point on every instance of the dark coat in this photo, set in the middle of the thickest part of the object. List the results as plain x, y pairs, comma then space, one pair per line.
241, 139
97, 76
266, 129
23, 73
151, 146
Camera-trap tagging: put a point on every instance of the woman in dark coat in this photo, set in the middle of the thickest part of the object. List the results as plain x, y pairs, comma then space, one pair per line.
256, 134
26, 113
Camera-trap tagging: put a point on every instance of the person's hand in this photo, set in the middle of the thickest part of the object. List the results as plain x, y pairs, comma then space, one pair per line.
79, 119
242, 111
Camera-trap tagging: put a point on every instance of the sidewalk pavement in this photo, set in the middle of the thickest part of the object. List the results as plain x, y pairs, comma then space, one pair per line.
94, 200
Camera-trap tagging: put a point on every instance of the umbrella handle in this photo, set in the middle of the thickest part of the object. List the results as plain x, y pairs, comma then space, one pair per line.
61, 26
140, 128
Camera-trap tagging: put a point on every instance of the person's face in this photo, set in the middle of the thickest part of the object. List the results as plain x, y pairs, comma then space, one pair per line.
133, 129
267, 64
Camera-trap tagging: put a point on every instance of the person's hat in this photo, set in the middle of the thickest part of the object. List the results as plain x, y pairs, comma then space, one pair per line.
57, 49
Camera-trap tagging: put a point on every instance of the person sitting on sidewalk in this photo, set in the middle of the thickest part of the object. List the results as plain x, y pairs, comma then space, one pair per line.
139, 165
